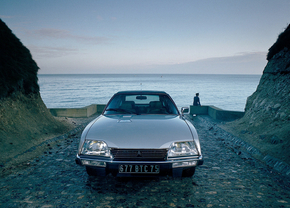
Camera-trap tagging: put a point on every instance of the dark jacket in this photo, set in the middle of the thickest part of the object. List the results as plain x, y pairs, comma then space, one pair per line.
196, 101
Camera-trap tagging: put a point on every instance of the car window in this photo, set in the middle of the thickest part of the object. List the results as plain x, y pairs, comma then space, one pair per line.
142, 99
141, 104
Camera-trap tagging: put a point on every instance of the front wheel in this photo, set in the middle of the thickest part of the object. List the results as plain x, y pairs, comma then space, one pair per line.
91, 171
188, 172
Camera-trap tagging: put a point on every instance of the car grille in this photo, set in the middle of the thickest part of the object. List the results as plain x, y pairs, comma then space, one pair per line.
139, 155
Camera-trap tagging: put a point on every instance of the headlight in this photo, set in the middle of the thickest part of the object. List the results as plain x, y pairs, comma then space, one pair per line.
98, 148
180, 149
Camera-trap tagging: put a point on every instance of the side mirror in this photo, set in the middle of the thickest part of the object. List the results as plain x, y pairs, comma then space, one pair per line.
184, 110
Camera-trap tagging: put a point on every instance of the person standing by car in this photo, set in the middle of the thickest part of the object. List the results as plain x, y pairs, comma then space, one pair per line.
196, 101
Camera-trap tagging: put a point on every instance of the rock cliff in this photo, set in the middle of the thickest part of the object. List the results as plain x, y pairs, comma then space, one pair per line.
266, 123
24, 119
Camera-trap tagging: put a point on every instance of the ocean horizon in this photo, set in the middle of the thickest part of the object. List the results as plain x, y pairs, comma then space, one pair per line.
226, 91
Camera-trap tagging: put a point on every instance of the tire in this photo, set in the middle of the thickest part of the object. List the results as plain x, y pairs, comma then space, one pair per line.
188, 172
91, 171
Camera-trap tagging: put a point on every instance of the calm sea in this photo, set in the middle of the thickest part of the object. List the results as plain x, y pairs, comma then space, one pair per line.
228, 92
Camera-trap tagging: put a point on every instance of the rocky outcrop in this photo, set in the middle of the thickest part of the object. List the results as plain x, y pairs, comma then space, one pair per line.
266, 123
24, 119
271, 100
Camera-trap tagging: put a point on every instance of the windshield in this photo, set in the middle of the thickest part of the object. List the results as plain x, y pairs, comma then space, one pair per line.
141, 104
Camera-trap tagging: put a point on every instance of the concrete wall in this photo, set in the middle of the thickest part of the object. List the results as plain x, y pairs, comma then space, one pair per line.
216, 113
78, 112
199, 110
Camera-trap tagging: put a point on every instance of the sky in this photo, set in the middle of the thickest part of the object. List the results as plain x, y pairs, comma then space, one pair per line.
147, 36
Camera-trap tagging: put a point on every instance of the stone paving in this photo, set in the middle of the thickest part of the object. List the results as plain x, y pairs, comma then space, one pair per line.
225, 180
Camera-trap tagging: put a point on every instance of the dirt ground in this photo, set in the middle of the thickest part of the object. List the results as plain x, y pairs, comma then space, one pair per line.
25, 122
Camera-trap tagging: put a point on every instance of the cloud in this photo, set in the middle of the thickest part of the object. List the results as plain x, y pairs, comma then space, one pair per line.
6, 17
99, 18
243, 63
51, 52
51, 33
65, 34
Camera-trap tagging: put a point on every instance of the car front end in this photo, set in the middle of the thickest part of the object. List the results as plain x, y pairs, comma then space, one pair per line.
140, 133
174, 161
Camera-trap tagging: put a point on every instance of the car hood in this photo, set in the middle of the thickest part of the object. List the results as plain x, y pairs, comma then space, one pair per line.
140, 131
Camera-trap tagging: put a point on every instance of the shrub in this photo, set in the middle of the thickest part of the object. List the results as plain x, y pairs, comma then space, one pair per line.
282, 42
18, 71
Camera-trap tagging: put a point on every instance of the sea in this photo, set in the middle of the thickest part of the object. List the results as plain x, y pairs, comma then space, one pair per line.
228, 92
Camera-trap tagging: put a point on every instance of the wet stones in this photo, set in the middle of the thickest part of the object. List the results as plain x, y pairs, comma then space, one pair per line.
224, 180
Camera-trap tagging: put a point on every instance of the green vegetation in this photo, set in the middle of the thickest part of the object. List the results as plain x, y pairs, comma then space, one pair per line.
18, 71
282, 42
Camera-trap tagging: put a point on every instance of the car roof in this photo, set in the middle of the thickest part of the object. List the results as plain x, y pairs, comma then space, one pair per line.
141, 92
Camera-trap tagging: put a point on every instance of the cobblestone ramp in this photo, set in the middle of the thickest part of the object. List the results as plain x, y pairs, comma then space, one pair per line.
226, 179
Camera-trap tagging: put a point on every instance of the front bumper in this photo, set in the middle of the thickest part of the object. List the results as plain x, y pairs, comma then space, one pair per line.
172, 166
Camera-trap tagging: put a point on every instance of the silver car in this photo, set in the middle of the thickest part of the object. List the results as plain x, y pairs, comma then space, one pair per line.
140, 133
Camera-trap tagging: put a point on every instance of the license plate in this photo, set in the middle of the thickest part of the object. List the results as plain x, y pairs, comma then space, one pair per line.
147, 169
